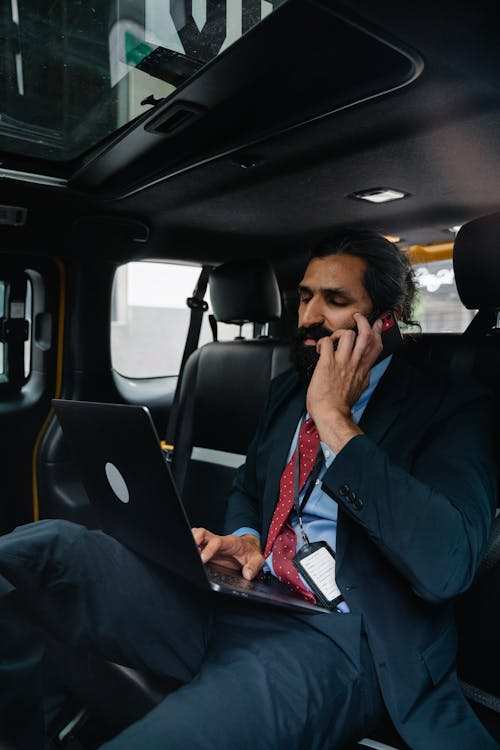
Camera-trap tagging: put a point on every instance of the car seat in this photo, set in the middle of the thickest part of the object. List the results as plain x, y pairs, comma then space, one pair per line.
224, 389
476, 262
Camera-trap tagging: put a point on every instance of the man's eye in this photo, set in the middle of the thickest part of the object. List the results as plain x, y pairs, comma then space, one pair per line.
336, 302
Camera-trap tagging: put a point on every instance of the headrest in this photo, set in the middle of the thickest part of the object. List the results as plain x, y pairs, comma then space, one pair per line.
245, 291
476, 260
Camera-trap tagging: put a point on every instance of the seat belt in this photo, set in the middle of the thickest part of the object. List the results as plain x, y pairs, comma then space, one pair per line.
198, 306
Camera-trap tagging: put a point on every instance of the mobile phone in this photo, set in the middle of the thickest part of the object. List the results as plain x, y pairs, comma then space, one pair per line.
390, 334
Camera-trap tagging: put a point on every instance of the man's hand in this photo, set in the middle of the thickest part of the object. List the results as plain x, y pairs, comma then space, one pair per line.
236, 552
339, 379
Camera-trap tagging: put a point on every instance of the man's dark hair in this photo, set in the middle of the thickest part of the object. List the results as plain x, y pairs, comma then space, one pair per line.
388, 277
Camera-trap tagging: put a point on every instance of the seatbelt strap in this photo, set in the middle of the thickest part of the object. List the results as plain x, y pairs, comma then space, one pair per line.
213, 327
198, 306
483, 322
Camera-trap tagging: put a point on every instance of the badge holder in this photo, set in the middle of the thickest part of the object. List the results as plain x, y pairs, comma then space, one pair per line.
316, 564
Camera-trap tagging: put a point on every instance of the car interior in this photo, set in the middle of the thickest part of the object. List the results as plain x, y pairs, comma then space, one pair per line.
222, 139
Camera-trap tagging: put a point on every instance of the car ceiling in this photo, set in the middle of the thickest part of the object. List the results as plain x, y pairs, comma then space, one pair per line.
310, 117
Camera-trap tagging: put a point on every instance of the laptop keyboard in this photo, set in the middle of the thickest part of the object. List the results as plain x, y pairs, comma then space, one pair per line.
231, 579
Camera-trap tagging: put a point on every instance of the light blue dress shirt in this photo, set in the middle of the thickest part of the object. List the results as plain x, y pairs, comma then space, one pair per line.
319, 516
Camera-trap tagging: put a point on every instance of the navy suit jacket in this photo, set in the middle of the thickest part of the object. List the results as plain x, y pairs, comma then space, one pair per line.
416, 497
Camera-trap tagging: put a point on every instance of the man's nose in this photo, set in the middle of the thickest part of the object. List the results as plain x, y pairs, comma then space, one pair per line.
312, 313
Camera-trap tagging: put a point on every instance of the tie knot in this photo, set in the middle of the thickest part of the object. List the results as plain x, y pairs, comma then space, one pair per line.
309, 427
309, 435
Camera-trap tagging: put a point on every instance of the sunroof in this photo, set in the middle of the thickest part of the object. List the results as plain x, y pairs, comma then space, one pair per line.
74, 71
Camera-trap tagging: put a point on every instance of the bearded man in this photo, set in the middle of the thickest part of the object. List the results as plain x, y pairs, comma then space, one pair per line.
397, 496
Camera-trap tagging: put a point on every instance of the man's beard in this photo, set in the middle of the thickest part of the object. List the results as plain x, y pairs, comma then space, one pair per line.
304, 356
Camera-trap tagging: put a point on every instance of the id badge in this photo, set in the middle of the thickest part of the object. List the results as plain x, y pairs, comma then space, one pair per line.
316, 564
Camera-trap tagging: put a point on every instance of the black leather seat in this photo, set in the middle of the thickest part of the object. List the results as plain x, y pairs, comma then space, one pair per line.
477, 272
476, 263
224, 390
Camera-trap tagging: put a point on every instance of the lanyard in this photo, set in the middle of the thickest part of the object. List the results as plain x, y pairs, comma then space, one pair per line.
299, 506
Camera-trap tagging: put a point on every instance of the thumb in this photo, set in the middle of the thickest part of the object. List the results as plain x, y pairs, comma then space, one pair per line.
249, 571
252, 566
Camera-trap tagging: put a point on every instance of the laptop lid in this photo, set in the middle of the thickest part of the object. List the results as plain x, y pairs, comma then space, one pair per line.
130, 485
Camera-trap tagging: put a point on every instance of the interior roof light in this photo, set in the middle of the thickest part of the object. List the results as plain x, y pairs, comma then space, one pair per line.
455, 230
379, 195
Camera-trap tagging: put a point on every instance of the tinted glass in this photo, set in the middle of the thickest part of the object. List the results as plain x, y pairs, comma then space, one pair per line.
150, 318
72, 72
438, 307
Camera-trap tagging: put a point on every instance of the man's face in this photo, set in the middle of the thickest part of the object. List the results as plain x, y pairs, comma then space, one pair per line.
330, 293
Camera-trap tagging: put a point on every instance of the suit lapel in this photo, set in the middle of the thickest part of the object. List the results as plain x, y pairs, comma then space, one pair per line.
387, 400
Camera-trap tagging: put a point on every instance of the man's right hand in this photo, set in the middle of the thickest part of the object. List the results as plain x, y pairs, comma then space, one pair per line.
236, 552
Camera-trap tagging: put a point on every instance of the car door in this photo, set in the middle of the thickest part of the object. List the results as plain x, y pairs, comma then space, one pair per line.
31, 319
125, 331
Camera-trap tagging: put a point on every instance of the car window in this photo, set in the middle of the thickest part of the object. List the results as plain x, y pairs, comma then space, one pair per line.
150, 318
439, 308
69, 79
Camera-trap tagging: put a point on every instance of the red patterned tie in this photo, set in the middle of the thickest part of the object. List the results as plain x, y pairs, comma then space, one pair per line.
281, 538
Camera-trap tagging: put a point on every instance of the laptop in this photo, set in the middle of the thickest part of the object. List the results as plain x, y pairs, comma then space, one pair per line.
117, 451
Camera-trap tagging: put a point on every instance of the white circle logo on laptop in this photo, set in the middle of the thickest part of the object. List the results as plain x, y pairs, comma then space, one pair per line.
117, 482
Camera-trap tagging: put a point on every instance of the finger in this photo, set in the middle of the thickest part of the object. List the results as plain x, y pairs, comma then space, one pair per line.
252, 566
362, 339
369, 343
345, 345
324, 347
335, 336
375, 345
200, 535
362, 324
377, 332
211, 548
377, 326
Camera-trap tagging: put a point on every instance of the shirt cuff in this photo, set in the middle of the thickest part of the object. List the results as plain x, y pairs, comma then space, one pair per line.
246, 530
328, 454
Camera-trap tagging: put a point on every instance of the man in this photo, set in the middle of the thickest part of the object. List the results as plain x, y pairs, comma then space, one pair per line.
402, 490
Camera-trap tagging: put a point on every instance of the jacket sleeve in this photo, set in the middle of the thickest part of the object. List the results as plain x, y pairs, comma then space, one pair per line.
431, 522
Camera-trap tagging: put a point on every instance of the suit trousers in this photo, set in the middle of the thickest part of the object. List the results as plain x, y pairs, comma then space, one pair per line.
250, 673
